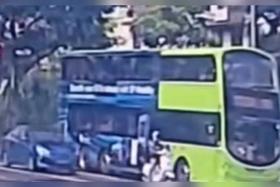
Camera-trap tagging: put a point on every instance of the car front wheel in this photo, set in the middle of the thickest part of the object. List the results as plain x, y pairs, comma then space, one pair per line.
32, 164
5, 159
104, 163
82, 160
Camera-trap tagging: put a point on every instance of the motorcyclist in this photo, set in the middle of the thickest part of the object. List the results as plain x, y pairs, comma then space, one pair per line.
158, 168
156, 148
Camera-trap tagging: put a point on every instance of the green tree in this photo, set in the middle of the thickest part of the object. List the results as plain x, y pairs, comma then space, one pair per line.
32, 97
39, 96
13, 108
171, 22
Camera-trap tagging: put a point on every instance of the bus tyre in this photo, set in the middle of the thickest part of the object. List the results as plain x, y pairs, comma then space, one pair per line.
104, 163
182, 171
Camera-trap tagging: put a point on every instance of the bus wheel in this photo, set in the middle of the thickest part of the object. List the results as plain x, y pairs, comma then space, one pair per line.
182, 171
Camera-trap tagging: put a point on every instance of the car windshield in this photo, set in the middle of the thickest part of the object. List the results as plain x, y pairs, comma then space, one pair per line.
20, 132
27, 133
42, 136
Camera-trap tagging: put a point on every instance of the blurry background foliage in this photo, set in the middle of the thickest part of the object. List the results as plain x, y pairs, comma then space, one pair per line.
171, 22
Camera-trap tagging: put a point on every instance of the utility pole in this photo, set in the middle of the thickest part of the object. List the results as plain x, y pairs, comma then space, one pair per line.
253, 30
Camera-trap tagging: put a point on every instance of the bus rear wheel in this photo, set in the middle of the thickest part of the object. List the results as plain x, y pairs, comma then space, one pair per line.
182, 171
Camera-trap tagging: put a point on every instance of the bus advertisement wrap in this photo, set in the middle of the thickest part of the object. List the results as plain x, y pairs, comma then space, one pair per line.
121, 88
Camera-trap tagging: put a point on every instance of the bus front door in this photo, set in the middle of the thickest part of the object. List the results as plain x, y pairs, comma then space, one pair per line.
139, 147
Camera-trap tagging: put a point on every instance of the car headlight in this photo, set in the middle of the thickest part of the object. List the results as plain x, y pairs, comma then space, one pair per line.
42, 151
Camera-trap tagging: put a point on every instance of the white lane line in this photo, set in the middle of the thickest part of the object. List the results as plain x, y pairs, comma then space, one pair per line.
100, 176
44, 175
5, 178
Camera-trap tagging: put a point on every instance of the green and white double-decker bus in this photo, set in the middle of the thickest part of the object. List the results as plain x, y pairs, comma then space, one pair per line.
218, 108
222, 113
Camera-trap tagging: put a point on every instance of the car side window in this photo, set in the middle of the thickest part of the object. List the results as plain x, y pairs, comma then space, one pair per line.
14, 135
24, 136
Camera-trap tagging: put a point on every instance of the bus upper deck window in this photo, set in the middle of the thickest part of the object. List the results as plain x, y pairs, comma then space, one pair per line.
245, 69
188, 68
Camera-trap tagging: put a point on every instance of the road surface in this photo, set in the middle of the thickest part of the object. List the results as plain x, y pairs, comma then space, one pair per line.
12, 174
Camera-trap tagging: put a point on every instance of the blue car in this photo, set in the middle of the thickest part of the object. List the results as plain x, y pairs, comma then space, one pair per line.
93, 152
111, 154
35, 150
108, 152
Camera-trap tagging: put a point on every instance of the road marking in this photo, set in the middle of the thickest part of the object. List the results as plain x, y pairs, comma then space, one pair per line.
101, 176
57, 177
4, 178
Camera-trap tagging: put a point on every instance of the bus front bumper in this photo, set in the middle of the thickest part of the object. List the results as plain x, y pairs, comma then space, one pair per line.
245, 175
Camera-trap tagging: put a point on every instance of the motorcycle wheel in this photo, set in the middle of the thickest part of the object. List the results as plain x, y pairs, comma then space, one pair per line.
5, 159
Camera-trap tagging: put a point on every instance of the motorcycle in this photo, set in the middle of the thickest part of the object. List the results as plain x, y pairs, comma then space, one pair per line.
160, 167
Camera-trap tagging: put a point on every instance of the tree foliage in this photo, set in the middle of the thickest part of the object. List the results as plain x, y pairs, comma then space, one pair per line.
39, 97
171, 22
34, 98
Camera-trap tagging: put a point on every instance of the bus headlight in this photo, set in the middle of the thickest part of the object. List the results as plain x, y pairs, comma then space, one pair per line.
42, 151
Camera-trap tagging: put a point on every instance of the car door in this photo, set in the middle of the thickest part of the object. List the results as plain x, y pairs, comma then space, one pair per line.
19, 151
7, 149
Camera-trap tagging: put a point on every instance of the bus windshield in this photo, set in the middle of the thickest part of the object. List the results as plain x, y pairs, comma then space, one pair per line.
110, 67
252, 108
